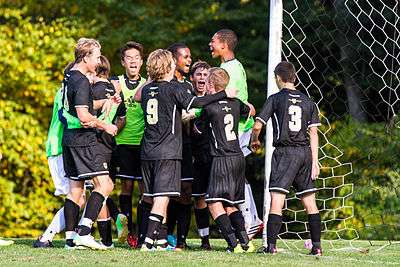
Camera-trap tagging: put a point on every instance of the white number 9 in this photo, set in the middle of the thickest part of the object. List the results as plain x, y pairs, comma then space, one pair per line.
152, 111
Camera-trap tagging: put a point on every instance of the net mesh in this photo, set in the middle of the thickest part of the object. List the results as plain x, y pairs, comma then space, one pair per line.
347, 56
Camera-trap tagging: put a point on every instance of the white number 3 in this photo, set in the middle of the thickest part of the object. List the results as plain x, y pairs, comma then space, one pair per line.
295, 118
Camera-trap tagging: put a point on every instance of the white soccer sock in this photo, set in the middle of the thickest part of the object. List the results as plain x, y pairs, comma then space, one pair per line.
56, 226
249, 209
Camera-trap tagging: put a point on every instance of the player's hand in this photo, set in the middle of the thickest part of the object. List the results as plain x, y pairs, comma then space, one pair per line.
231, 92
187, 116
111, 129
116, 98
117, 86
314, 170
90, 124
255, 145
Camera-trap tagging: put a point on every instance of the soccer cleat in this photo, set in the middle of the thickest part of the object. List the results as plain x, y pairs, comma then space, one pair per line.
237, 250
167, 248
132, 240
171, 239
271, 249
249, 248
315, 251
108, 247
144, 248
122, 227
4, 243
42, 244
182, 246
88, 241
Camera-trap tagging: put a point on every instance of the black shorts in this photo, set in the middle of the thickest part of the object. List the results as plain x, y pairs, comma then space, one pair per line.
291, 166
86, 162
227, 180
187, 163
126, 162
201, 174
161, 177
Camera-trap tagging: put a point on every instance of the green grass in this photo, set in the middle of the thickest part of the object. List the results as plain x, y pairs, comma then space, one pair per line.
22, 254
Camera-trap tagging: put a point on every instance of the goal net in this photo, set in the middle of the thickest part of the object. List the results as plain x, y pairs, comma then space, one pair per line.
347, 57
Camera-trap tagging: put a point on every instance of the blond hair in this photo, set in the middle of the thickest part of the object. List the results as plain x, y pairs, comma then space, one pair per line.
85, 47
219, 78
159, 64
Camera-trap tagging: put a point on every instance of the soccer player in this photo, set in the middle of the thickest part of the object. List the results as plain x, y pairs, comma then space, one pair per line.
222, 46
227, 175
201, 159
82, 153
126, 157
295, 158
56, 167
179, 209
110, 112
161, 150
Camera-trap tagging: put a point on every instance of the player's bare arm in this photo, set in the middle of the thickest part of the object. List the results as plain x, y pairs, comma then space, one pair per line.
255, 142
313, 131
89, 120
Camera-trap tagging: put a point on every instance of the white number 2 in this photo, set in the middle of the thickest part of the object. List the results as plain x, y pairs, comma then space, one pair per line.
228, 121
295, 118
152, 111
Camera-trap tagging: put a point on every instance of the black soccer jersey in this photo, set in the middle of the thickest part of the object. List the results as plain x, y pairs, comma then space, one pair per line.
186, 86
104, 90
77, 93
223, 118
292, 114
162, 106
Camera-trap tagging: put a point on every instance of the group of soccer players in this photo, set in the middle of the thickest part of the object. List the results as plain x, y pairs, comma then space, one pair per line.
183, 133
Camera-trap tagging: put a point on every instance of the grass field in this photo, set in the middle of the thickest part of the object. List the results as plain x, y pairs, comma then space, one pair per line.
22, 254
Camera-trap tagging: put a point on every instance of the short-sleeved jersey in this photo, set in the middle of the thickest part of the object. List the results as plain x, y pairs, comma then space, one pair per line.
186, 86
56, 129
223, 120
103, 90
238, 80
162, 106
132, 133
77, 93
292, 113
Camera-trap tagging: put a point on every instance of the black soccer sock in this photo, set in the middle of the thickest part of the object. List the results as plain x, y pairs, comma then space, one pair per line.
144, 210
184, 217
104, 227
112, 207
237, 221
172, 216
315, 229
162, 235
125, 202
224, 225
93, 207
273, 227
203, 221
153, 229
71, 216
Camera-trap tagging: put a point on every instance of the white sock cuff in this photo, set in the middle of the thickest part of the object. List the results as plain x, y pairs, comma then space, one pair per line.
104, 220
86, 222
204, 231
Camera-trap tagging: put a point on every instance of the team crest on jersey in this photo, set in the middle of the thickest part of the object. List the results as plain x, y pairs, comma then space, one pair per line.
105, 165
152, 93
130, 102
118, 169
226, 108
294, 101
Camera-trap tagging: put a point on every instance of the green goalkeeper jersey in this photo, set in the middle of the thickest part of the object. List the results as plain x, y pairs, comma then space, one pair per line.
237, 80
56, 129
133, 131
